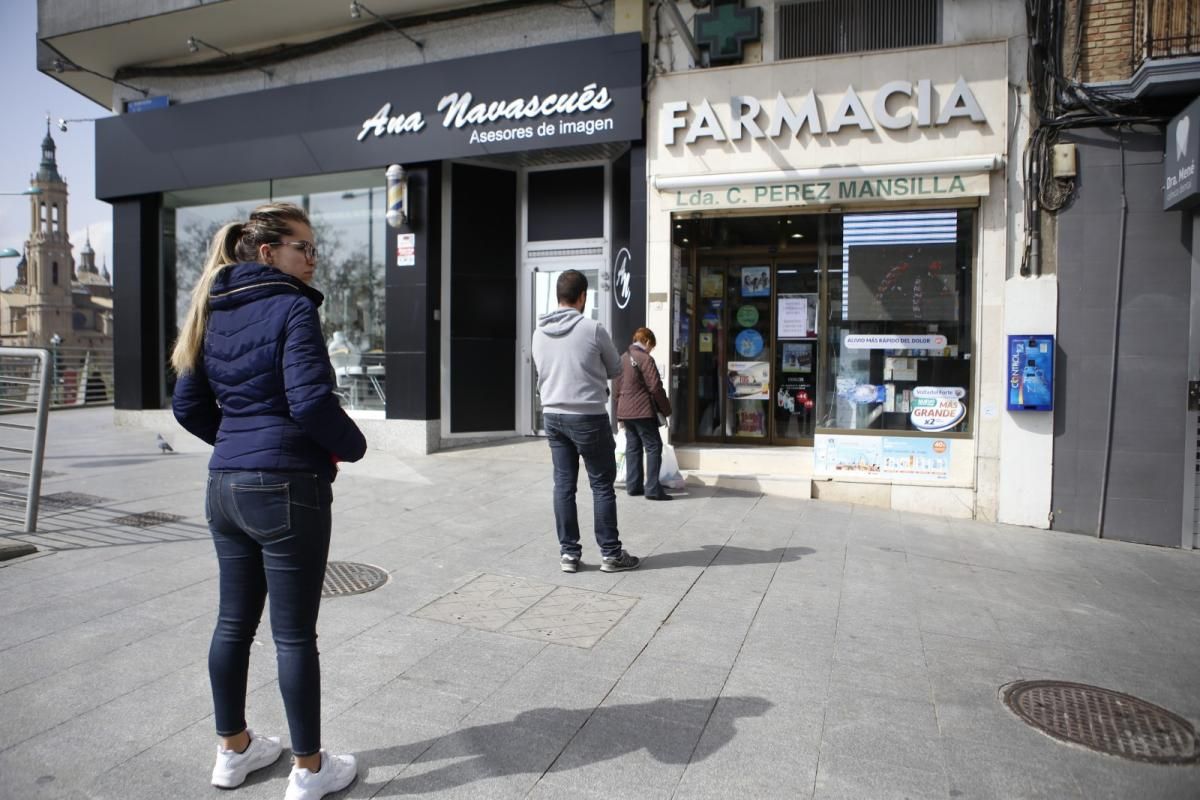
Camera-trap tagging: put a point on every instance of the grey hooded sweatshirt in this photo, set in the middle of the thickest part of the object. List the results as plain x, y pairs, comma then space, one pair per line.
575, 358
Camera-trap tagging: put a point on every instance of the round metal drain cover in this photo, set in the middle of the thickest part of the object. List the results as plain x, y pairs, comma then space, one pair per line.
1103, 720
346, 577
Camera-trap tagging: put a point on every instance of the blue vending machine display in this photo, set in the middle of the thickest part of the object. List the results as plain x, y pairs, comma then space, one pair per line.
1031, 372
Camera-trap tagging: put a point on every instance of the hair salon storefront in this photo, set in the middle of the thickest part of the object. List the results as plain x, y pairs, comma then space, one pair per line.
519, 165
828, 245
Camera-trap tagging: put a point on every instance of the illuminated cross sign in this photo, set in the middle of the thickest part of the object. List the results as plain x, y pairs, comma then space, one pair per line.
726, 28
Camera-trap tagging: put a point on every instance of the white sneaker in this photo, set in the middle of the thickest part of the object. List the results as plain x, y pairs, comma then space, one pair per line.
337, 772
232, 767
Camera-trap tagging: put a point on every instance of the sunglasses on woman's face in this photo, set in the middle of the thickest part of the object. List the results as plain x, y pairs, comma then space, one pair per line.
310, 249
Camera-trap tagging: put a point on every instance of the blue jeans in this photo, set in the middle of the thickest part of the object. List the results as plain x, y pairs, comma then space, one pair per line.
271, 531
639, 433
590, 436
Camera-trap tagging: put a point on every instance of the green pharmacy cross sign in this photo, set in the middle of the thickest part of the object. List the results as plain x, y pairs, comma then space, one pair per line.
726, 28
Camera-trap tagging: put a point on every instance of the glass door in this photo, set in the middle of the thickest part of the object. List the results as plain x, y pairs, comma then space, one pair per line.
757, 323
543, 283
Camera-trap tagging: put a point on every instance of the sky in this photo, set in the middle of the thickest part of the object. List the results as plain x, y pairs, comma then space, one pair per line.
26, 96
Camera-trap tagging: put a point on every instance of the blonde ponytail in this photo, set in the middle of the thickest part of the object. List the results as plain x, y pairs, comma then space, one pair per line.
236, 242
221, 253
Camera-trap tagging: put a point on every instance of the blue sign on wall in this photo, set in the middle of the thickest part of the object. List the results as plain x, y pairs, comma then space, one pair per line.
1031, 372
147, 104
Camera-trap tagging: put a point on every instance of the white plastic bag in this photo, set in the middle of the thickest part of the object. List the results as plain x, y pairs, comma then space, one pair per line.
670, 476
619, 452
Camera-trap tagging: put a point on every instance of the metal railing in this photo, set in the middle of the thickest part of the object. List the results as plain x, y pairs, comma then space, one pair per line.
1165, 29
82, 377
25, 378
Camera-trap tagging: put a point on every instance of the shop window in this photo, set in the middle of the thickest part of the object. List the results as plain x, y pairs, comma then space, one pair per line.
898, 350
787, 325
827, 27
347, 214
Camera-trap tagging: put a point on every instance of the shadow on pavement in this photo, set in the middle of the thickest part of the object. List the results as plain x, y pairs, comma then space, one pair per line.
556, 740
728, 555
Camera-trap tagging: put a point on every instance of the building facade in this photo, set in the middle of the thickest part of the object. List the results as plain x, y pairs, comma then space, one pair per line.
518, 126
831, 236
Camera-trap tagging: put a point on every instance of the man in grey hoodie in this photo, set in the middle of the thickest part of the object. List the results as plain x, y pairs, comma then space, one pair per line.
575, 358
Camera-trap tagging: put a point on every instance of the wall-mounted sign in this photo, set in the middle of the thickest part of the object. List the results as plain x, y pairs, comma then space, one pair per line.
147, 104
621, 278
1031, 372
838, 191
406, 249
885, 341
768, 119
882, 457
1181, 184
726, 29
583, 92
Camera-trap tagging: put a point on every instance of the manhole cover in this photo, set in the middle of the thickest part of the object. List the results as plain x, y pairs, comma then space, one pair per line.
146, 519
346, 577
72, 500
1103, 720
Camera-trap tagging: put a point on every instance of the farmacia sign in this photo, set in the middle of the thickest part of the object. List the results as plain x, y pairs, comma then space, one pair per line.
896, 106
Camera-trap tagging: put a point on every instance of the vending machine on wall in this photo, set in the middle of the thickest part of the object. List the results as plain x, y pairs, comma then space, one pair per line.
1031, 372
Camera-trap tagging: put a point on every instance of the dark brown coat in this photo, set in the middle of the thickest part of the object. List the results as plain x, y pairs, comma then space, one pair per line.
639, 397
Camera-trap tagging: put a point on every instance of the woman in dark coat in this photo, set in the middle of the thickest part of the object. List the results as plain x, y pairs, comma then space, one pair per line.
640, 398
255, 382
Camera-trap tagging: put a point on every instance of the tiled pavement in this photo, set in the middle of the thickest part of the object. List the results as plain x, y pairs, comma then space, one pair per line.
766, 648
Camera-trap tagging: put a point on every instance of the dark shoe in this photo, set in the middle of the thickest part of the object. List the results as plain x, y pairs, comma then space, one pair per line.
636, 493
569, 563
659, 496
620, 563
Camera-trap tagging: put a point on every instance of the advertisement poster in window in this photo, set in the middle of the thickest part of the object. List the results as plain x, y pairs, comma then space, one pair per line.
750, 418
712, 282
756, 281
797, 316
749, 380
882, 457
795, 395
796, 356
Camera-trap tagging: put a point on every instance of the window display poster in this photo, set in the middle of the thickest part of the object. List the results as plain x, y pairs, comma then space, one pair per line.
711, 319
749, 343
706, 343
882, 457
796, 356
750, 418
795, 395
712, 282
797, 316
756, 281
749, 380
747, 316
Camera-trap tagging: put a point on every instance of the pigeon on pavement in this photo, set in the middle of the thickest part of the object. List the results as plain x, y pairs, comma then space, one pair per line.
163, 445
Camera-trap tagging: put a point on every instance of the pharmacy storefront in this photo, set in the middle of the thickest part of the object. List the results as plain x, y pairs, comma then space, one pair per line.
827, 250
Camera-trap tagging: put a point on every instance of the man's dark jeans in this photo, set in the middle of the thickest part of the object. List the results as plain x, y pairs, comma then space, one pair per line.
641, 433
590, 436
271, 531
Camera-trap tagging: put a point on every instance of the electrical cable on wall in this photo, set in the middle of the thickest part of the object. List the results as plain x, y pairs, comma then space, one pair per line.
1058, 103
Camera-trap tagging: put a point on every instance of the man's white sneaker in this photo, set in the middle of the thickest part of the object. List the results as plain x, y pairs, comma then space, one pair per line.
232, 767
337, 772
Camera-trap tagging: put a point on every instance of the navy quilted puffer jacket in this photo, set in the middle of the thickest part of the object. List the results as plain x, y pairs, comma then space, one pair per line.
263, 393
